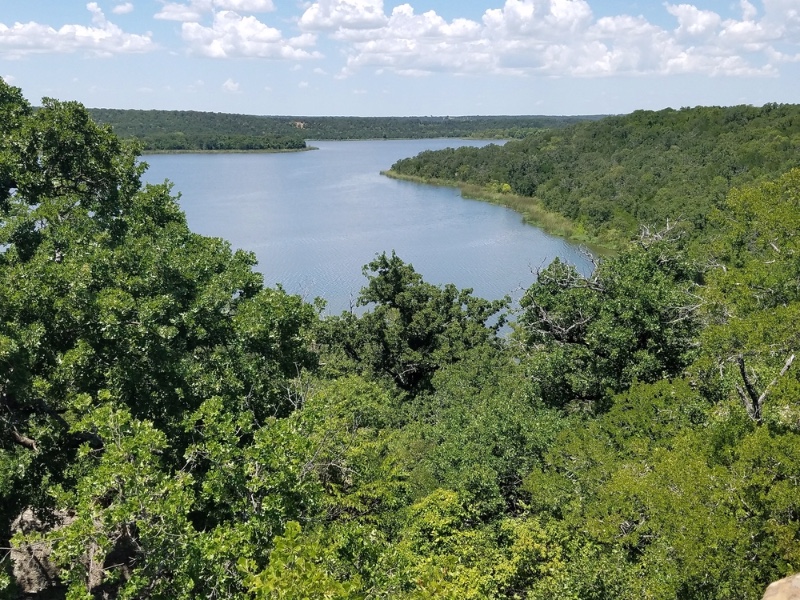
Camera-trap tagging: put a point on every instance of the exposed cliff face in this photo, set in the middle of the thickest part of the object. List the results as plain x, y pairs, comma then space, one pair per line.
784, 589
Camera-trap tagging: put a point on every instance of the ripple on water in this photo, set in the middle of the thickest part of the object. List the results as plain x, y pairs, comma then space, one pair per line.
314, 219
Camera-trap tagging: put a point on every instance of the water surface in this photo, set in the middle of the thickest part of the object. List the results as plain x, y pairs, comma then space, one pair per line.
315, 218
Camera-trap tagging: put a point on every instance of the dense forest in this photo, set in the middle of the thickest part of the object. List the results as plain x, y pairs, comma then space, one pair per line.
609, 176
161, 130
172, 428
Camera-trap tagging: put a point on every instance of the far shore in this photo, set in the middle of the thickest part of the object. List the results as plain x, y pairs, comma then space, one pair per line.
231, 151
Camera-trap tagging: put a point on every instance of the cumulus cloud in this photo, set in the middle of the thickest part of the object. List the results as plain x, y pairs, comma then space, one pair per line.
540, 37
345, 14
230, 86
194, 10
560, 38
176, 11
232, 35
413, 44
103, 38
245, 5
123, 9
544, 19
694, 22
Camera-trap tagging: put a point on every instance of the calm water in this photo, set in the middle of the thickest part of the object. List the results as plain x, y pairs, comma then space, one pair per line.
315, 218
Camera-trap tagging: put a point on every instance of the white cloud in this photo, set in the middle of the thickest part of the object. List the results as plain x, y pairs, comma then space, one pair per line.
230, 86
545, 19
749, 12
561, 38
412, 44
694, 22
194, 10
123, 9
177, 11
245, 5
232, 35
345, 14
9, 79
102, 39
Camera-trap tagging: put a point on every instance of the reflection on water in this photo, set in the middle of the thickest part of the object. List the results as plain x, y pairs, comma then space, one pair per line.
315, 218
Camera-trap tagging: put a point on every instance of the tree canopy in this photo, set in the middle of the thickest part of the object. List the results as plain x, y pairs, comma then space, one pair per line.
611, 175
171, 428
162, 130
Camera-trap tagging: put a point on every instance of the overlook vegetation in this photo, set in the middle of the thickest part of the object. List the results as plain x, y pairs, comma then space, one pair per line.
171, 428
611, 175
161, 130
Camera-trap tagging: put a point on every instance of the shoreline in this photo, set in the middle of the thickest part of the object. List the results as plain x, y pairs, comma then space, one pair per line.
231, 151
531, 211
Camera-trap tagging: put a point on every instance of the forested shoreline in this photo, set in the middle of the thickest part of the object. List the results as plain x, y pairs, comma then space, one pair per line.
184, 131
607, 177
172, 428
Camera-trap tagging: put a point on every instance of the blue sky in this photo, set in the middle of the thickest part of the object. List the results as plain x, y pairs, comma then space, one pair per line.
423, 57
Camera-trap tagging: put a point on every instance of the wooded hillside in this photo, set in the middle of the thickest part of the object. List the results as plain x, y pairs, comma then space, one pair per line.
192, 130
611, 175
172, 428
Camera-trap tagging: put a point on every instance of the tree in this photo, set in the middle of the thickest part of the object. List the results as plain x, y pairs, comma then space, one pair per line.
753, 300
413, 327
634, 319
117, 324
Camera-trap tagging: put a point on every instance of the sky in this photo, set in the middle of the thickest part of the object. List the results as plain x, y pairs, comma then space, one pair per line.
388, 58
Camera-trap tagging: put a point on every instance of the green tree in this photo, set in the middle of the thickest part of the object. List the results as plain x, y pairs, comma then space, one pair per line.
635, 318
117, 325
412, 328
753, 302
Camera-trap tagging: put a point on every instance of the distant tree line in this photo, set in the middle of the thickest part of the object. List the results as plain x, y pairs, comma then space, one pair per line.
612, 174
191, 130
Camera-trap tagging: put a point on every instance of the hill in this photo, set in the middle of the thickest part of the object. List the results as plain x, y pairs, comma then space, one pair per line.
610, 175
171, 428
160, 130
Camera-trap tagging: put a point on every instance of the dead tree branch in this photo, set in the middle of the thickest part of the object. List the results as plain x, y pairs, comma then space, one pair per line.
753, 401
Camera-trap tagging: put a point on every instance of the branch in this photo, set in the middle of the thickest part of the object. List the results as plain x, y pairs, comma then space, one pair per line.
24, 440
753, 402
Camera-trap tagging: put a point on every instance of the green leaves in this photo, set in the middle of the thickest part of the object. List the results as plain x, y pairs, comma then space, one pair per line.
634, 319
297, 570
170, 428
413, 327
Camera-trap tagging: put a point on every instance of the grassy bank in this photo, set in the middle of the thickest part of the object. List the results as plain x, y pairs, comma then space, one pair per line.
532, 213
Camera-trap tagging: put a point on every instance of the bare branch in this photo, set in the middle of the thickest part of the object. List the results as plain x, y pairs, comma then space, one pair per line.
752, 400
24, 440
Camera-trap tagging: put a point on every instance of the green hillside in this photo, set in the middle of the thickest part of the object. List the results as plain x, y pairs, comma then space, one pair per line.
609, 176
160, 130
171, 428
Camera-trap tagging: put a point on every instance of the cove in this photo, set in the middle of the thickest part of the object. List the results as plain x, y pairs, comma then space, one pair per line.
313, 219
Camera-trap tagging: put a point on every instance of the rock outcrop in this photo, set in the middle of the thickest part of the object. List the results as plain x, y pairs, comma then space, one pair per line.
784, 589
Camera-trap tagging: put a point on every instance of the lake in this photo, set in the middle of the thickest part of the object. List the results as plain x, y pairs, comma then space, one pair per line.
314, 218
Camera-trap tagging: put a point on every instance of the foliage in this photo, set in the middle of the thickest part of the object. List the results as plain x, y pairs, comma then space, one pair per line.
118, 323
191, 130
414, 327
170, 428
613, 174
634, 319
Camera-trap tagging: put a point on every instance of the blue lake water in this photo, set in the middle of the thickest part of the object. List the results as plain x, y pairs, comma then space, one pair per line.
313, 219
